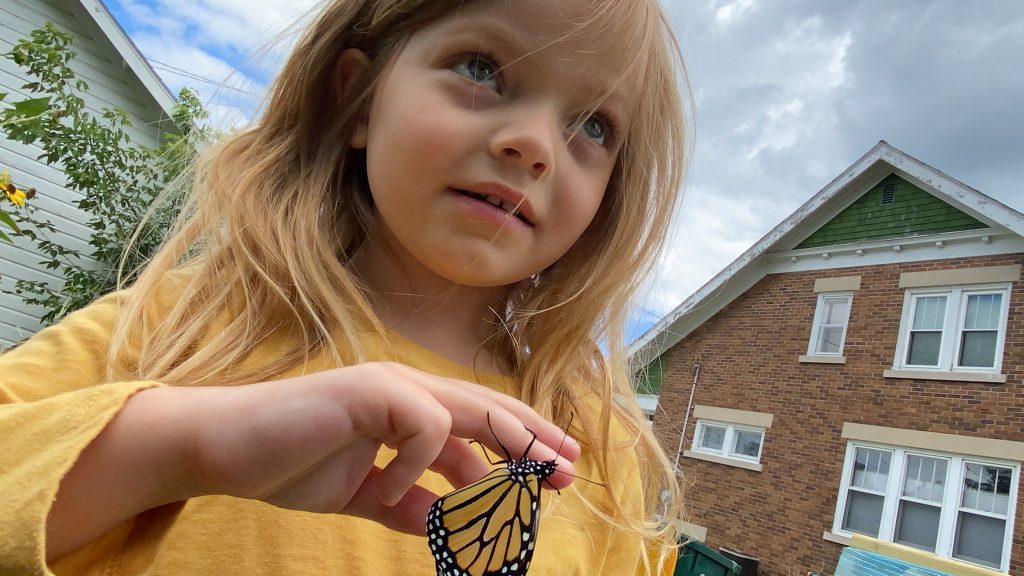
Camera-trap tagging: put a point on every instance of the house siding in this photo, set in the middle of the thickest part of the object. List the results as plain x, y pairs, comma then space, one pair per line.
748, 356
913, 212
111, 84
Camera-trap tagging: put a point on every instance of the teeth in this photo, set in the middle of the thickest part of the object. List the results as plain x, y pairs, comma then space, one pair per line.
497, 203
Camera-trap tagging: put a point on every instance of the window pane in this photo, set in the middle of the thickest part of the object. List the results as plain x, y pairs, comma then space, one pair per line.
863, 513
929, 313
748, 443
983, 311
979, 539
925, 478
871, 469
978, 349
917, 525
924, 348
829, 339
835, 310
986, 488
712, 437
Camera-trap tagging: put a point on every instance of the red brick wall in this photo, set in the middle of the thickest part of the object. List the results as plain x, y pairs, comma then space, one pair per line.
748, 361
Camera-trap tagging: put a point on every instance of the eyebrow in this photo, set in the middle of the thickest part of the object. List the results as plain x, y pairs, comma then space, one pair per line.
492, 31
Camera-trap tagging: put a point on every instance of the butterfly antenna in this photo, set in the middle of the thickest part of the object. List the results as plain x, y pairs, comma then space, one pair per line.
508, 456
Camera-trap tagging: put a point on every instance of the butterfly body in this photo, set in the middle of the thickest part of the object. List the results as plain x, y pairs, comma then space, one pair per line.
489, 527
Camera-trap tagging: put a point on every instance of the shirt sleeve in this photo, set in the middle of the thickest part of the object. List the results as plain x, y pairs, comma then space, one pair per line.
53, 403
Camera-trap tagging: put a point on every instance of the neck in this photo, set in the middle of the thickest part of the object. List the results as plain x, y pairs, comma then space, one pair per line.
448, 318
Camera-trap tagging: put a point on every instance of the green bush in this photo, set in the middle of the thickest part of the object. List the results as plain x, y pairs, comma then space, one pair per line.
122, 182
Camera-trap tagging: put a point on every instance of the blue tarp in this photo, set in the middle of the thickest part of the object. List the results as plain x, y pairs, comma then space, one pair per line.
855, 562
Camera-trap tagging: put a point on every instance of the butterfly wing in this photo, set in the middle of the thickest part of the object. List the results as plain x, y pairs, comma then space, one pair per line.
487, 528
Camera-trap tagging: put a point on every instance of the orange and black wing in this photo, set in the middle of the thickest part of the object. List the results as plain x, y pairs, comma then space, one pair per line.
487, 528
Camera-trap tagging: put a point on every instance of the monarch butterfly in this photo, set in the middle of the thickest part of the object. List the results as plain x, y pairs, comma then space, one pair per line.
489, 527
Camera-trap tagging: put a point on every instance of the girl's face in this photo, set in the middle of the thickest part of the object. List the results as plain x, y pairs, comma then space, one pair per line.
475, 166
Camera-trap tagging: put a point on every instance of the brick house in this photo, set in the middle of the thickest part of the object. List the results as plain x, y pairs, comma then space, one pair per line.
859, 372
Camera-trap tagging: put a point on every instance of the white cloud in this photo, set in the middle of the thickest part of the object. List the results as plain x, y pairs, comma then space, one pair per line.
732, 11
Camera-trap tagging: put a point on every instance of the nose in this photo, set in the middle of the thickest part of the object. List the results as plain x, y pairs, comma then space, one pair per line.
527, 138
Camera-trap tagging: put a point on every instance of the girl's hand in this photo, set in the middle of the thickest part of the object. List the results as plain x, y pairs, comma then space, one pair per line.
309, 443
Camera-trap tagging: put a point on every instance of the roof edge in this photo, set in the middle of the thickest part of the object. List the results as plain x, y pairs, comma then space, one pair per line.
664, 333
131, 54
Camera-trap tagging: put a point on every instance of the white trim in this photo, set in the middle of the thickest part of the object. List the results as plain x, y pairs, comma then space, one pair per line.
974, 243
723, 460
133, 58
950, 502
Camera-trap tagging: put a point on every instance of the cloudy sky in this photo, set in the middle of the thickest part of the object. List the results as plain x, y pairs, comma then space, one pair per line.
788, 93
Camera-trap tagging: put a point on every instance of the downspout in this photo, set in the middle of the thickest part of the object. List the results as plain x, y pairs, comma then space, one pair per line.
686, 418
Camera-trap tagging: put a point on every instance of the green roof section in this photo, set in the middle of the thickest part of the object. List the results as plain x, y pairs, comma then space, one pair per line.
894, 208
648, 380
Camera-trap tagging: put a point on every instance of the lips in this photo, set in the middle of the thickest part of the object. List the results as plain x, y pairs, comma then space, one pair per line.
507, 200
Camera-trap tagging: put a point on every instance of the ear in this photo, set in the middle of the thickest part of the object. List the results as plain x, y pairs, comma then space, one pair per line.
351, 64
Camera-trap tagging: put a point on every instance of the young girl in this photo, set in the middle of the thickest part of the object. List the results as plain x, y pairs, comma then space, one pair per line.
438, 222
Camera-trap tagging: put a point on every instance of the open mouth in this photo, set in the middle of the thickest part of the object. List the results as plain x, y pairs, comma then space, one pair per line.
508, 208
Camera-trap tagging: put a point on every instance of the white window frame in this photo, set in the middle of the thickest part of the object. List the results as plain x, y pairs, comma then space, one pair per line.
728, 443
819, 310
951, 499
952, 327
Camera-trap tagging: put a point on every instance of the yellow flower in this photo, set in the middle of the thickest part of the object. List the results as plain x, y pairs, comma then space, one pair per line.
14, 194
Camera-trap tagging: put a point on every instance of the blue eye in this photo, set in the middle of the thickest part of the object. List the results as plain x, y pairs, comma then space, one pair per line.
479, 69
595, 129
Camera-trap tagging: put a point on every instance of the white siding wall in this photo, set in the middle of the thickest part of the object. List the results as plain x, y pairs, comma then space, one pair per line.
111, 84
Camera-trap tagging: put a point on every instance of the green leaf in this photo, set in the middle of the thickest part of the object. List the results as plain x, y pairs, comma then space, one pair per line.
32, 106
6, 238
6, 219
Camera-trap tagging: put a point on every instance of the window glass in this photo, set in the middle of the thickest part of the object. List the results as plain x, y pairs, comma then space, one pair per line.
986, 488
925, 478
748, 443
863, 513
871, 469
836, 309
924, 483
917, 525
981, 331
929, 313
712, 437
979, 539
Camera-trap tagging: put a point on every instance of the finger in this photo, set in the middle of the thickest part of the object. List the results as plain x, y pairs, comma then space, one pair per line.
547, 432
470, 405
408, 515
500, 431
460, 463
421, 431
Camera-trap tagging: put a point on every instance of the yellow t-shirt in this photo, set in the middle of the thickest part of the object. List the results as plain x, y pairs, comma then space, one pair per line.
53, 402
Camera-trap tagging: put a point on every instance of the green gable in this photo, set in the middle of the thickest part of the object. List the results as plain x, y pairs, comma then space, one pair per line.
894, 208
648, 380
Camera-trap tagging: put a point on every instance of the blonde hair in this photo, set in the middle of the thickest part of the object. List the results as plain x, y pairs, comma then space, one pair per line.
276, 211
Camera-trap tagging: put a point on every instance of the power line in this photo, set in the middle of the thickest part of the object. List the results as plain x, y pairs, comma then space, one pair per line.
168, 68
